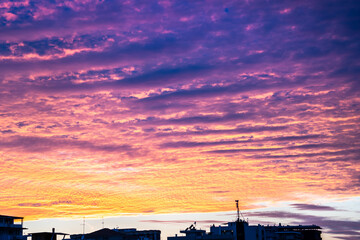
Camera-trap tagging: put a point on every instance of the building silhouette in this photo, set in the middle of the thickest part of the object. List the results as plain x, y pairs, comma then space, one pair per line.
299, 232
237, 230
119, 234
9, 230
47, 235
241, 230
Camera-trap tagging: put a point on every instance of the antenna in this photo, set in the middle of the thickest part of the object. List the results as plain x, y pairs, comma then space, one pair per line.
83, 224
238, 212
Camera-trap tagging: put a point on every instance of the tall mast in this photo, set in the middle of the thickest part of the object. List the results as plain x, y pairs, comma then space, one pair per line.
238, 211
83, 225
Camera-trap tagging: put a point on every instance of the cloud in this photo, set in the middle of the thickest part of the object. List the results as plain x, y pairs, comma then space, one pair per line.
304, 146
133, 53
322, 153
123, 101
46, 144
187, 144
330, 225
67, 202
189, 120
302, 206
239, 129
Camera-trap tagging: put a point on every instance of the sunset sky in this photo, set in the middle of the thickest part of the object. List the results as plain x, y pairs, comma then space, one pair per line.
167, 111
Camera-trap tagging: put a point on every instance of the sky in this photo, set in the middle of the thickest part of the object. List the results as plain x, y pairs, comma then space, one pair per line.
167, 111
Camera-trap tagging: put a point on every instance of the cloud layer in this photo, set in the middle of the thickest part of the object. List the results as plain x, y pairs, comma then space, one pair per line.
187, 104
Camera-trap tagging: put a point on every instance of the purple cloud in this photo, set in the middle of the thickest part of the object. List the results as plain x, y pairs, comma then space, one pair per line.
302, 206
329, 225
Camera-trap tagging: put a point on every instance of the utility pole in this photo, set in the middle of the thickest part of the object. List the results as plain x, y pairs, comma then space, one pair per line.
238, 211
83, 226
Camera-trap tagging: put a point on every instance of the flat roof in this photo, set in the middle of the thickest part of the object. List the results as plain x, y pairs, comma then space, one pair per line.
57, 233
300, 227
192, 231
12, 217
12, 226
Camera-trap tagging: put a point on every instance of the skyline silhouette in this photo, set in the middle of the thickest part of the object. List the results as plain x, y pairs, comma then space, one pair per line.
240, 229
159, 109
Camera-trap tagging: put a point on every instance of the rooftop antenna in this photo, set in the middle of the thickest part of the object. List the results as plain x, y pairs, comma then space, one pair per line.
238, 212
83, 225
